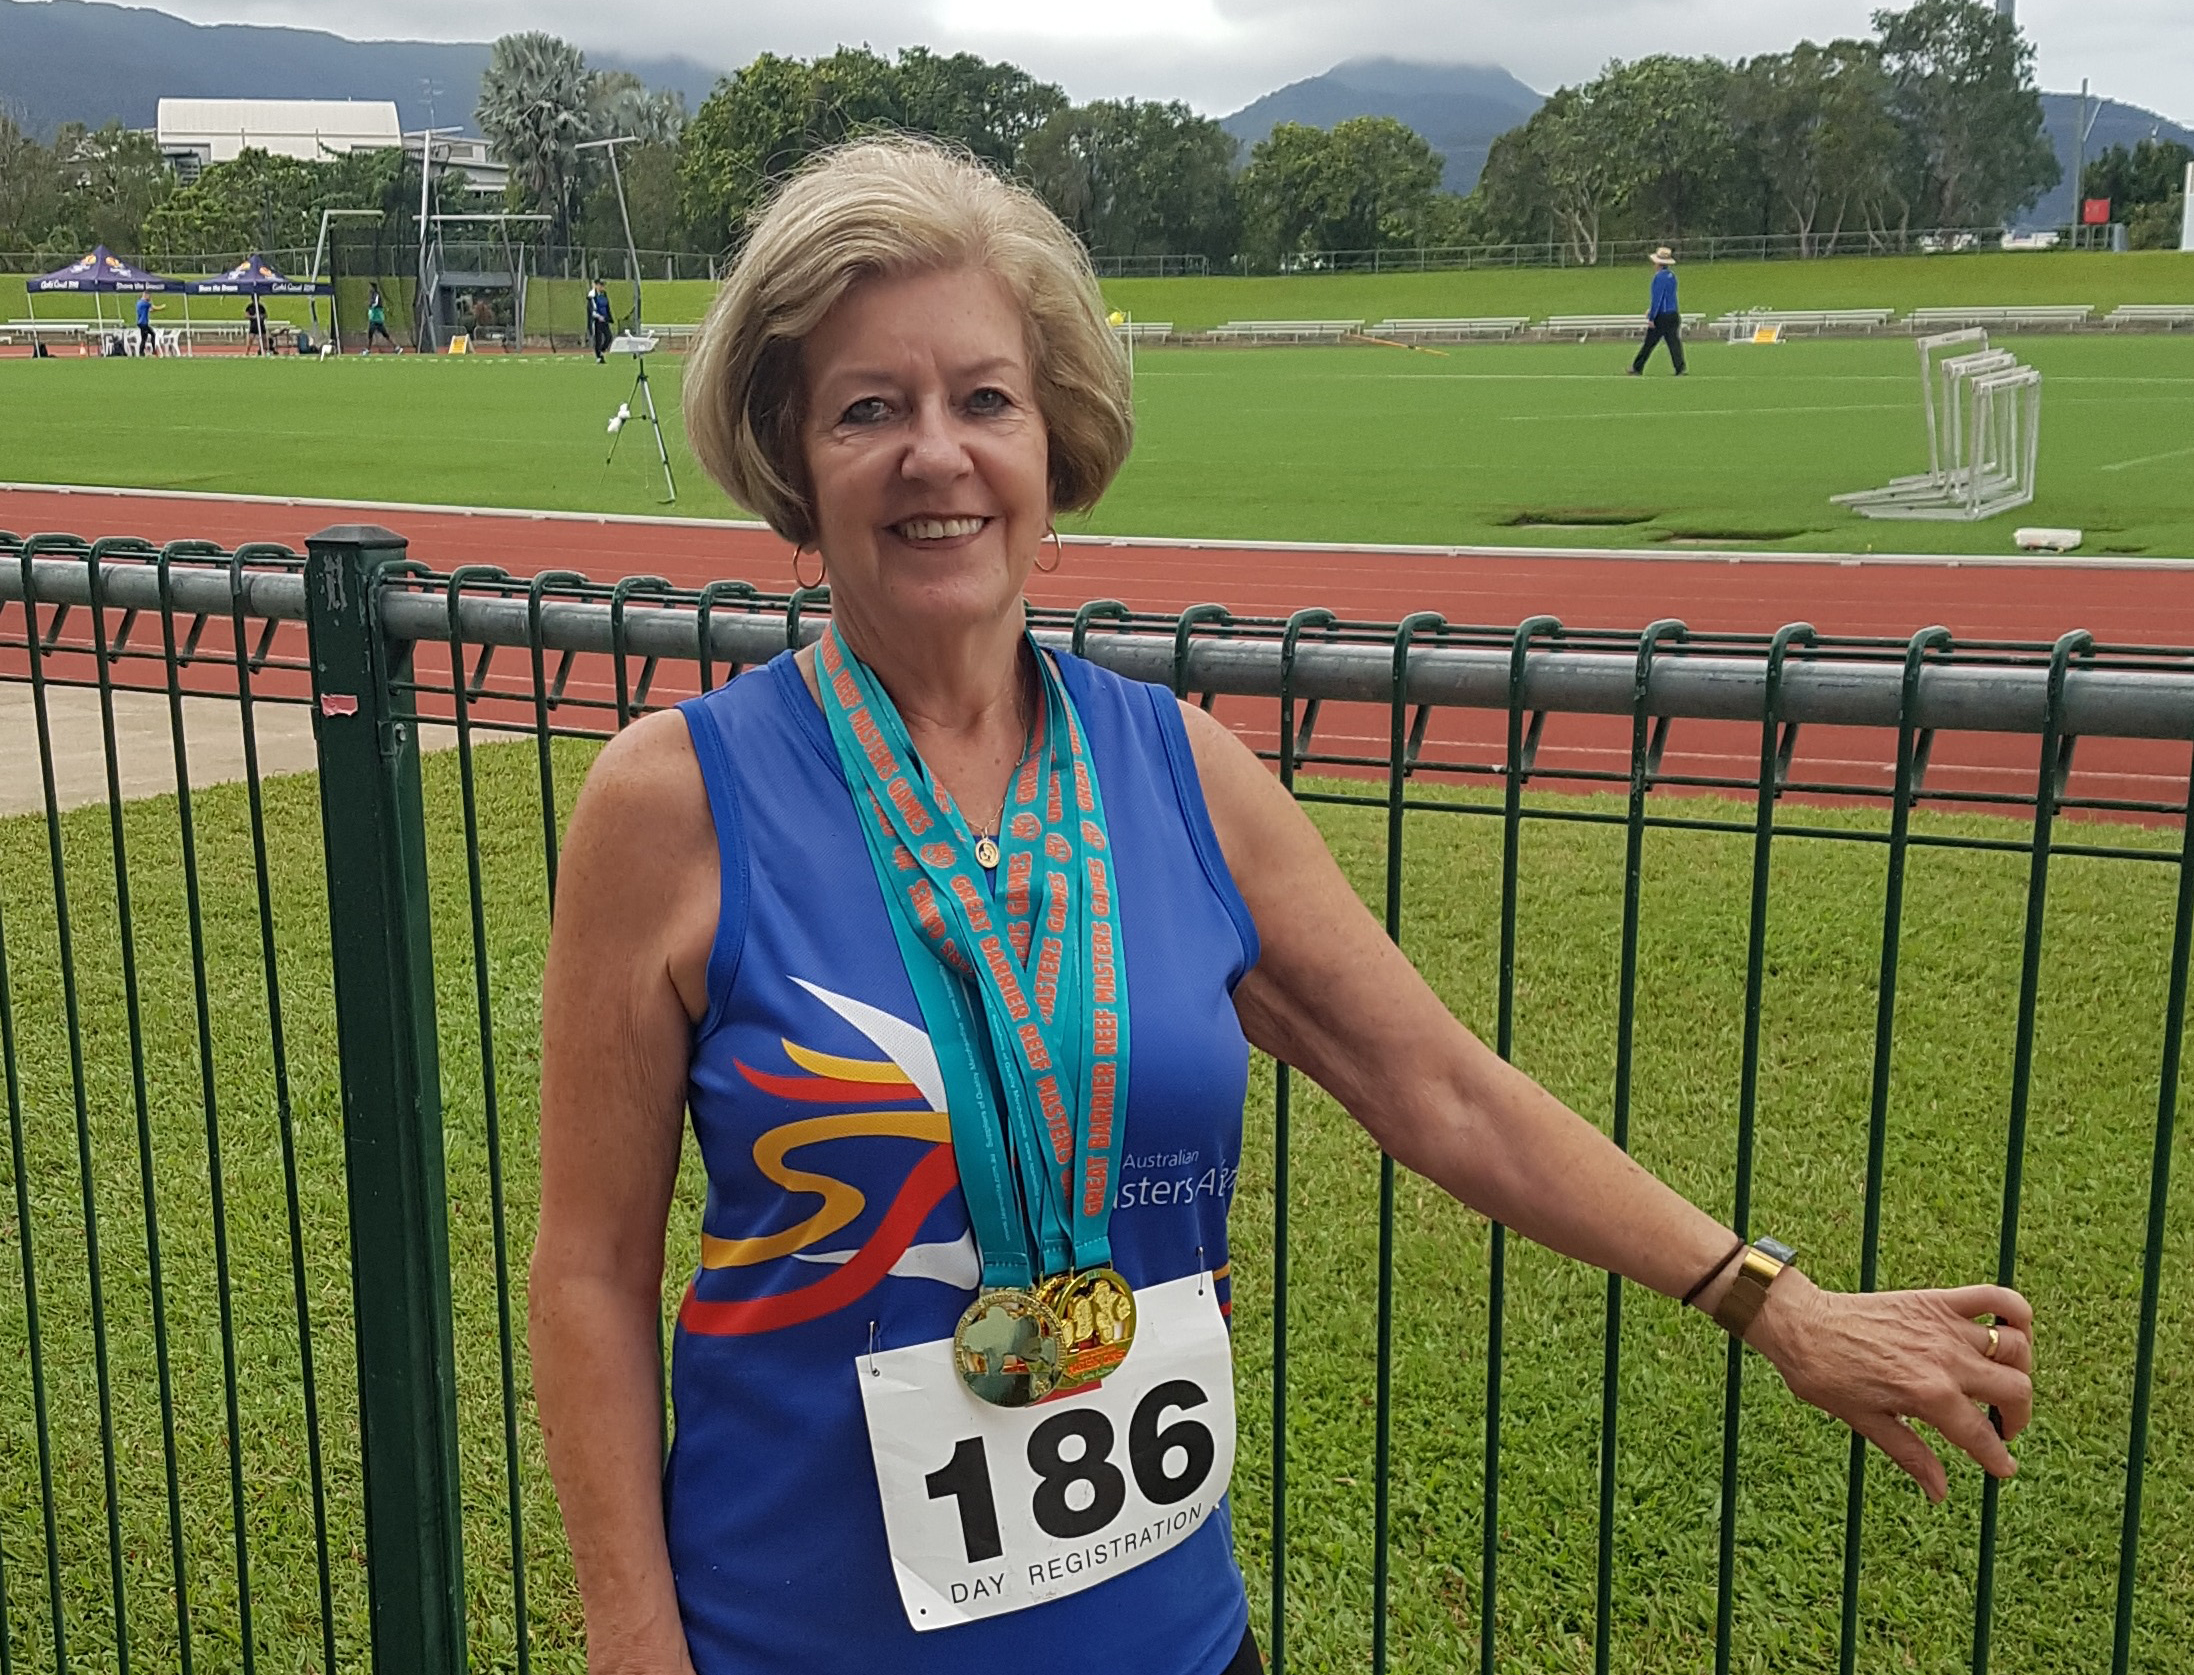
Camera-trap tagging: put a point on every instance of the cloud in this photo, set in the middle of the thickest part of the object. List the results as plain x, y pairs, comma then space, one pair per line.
1219, 54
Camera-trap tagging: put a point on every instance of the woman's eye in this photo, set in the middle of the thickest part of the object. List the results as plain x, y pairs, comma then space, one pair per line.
988, 400
866, 411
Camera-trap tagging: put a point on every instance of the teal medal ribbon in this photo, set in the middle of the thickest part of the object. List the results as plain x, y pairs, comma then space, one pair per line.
1021, 979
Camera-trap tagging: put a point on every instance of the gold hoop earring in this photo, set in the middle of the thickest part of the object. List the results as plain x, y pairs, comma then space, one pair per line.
1058, 555
822, 570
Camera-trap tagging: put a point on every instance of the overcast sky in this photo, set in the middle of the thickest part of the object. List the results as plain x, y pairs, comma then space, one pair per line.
1219, 54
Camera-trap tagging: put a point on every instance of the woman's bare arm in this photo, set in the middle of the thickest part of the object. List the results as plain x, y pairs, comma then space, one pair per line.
636, 908
1334, 997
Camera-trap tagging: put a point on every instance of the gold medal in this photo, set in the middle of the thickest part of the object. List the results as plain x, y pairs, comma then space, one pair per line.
1096, 1314
986, 853
1007, 1348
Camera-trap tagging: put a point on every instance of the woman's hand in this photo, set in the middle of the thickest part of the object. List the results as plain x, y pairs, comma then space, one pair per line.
1881, 1359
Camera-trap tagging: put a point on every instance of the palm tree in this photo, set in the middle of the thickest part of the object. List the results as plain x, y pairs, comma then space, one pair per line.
536, 104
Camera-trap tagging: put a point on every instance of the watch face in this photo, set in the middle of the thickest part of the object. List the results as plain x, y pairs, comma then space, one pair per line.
1777, 1249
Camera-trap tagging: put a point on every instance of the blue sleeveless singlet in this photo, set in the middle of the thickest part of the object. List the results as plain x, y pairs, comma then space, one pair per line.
834, 1222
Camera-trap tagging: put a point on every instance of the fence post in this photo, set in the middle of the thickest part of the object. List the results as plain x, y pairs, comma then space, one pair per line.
375, 839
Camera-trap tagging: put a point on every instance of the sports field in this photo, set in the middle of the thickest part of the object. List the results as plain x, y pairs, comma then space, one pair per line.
1714, 288
1495, 444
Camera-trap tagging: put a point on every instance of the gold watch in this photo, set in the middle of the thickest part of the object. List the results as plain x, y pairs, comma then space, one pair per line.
1764, 1260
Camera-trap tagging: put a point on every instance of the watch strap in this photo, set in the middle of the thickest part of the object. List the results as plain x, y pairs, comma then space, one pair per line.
1740, 1304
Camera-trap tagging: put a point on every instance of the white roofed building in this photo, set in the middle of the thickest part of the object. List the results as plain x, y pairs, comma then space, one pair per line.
194, 133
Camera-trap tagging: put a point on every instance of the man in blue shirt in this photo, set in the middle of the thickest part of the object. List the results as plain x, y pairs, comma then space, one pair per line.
144, 324
1664, 321
598, 318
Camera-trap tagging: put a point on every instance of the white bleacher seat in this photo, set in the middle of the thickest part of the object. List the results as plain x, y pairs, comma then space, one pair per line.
2046, 316
1143, 331
1582, 326
1820, 322
2150, 316
51, 332
1448, 331
1286, 331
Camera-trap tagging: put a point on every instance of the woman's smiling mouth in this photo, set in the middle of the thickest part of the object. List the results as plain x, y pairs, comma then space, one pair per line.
937, 529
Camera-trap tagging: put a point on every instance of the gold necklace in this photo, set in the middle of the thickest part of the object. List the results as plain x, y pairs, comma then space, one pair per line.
986, 841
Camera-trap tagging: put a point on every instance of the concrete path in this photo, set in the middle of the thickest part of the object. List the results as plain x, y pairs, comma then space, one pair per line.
144, 745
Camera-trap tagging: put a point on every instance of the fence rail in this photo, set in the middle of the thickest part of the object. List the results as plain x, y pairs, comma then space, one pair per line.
1865, 947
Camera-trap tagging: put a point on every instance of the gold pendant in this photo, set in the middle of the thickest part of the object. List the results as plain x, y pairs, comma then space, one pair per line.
1096, 1314
986, 853
1007, 1348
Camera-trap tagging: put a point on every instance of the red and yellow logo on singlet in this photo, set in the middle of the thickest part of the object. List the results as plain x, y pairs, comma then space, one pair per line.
900, 1097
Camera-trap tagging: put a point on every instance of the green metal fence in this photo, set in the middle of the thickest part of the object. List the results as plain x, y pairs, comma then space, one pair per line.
1829, 932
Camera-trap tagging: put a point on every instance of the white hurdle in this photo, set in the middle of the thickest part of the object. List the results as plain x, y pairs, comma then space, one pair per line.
1984, 413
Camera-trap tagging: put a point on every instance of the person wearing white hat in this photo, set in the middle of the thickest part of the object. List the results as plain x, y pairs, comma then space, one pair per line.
1664, 322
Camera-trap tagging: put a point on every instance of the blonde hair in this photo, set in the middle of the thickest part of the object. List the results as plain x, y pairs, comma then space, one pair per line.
896, 206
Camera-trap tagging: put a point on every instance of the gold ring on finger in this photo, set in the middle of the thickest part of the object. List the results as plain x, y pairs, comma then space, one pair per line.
1994, 1337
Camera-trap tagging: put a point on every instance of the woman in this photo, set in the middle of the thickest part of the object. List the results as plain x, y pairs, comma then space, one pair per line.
897, 919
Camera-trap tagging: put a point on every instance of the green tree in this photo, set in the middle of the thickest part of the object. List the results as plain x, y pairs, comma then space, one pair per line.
110, 180
1964, 94
1364, 184
1587, 172
1676, 164
650, 173
622, 104
385, 179
1816, 126
1513, 202
2146, 186
30, 189
255, 202
1137, 179
990, 108
537, 102
757, 126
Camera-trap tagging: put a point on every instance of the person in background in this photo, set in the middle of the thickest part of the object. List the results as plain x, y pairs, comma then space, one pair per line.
377, 322
145, 341
255, 326
598, 319
1664, 321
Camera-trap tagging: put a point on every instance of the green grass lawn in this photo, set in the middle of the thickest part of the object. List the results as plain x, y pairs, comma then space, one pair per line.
2085, 1192
1900, 282
1498, 444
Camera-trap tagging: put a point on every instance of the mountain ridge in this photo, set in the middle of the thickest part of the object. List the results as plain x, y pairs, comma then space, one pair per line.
1460, 109
94, 61
91, 62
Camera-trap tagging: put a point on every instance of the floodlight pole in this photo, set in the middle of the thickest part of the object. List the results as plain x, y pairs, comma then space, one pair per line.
640, 385
422, 311
2083, 124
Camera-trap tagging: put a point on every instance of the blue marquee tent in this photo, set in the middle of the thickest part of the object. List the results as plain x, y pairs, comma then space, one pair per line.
255, 276
102, 273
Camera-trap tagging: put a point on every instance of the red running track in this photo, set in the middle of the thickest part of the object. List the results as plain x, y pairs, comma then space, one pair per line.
2145, 602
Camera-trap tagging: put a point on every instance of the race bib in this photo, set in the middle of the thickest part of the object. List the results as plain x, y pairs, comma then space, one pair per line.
992, 1509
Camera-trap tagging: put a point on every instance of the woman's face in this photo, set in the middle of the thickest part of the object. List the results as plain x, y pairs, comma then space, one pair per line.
928, 460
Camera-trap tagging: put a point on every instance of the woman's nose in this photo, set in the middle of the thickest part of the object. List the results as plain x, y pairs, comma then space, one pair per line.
934, 448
